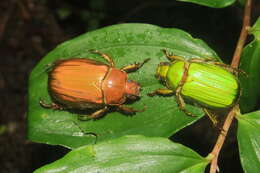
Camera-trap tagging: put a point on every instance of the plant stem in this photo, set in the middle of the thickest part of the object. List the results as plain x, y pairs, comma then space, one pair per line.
243, 34
235, 110
222, 137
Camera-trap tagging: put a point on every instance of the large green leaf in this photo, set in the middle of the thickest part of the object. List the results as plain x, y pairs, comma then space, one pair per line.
126, 43
249, 141
130, 154
250, 63
212, 3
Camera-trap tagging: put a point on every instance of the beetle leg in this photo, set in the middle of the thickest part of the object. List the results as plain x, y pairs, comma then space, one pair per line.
211, 116
105, 56
179, 99
214, 62
129, 110
207, 60
229, 68
134, 67
172, 57
214, 120
161, 91
99, 113
181, 103
50, 106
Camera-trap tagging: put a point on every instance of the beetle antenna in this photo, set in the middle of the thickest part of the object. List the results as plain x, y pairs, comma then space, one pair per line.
172, 57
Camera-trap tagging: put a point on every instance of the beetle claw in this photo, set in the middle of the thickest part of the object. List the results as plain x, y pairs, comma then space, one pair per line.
50, 106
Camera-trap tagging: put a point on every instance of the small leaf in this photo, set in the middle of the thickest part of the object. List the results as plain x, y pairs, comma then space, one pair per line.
250, 63
130, 154
249, 141
212, 3
126, 44
242, 2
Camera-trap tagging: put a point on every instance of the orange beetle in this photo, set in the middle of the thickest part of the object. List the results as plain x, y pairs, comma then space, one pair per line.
81, 84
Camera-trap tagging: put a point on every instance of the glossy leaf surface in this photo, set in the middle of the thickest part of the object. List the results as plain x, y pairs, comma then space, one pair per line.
250, 63
212, 3
249, 141
126, 44
130, 154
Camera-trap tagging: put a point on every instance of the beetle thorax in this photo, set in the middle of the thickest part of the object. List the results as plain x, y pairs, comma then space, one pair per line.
175, 74
170, 73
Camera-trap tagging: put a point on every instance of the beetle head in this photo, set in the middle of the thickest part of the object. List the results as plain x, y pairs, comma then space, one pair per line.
132, 90
162, 70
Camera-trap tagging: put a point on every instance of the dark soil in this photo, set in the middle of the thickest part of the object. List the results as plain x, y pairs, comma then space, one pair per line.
30, 29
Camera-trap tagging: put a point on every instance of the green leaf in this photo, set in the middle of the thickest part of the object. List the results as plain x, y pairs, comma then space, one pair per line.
130, 154
250, 63
126, 43
249, 141
242, 2
212, 3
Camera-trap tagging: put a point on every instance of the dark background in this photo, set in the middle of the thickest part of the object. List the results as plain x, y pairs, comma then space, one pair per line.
29, 29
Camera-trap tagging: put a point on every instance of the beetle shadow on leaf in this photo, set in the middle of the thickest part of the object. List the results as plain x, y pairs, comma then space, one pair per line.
131, 101
112, 108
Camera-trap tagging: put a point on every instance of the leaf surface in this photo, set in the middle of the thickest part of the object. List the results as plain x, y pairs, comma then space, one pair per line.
212, 3
249, 141
126, 44
250, 63
130, 154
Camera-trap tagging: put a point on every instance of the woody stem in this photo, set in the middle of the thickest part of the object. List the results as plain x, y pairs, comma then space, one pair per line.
235, 110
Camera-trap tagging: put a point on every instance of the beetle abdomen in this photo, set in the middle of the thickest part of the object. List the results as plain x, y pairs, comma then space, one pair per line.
76, 83
211, 85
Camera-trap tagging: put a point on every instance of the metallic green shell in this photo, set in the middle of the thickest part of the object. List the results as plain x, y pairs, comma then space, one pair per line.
208, 84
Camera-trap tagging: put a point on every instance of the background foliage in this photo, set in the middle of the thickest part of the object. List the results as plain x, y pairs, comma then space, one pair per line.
30, 29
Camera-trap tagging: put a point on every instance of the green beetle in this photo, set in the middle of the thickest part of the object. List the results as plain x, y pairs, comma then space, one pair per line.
206, 82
